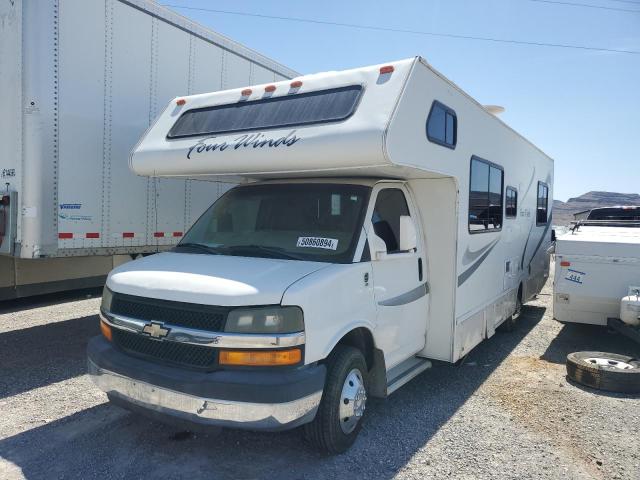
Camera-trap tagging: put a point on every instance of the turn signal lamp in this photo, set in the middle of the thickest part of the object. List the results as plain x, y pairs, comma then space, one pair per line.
263, 358
106, 330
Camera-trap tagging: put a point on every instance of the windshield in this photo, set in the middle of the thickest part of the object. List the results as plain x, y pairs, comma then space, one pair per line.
310, 221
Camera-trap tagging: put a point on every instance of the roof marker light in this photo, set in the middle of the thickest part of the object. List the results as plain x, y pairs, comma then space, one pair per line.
296, 84
270, 88
246, 92
565, 264
181, 101
386, 69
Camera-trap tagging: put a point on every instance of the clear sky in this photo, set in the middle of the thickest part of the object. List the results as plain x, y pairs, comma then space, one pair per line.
581, 107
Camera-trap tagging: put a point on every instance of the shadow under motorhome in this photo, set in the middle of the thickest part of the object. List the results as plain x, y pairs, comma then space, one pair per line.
383, 218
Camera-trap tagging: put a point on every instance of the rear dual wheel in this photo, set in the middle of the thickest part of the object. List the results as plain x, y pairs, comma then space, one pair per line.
339, 417
510, 323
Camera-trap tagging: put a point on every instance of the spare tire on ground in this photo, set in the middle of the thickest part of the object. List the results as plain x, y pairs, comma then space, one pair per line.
605, 371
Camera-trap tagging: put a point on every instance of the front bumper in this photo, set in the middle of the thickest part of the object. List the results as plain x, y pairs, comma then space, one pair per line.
248, 399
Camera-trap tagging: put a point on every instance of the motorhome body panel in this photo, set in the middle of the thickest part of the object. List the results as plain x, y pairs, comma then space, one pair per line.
489, 266
89, 78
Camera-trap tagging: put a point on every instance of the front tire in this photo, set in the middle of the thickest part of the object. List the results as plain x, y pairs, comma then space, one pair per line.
340, 414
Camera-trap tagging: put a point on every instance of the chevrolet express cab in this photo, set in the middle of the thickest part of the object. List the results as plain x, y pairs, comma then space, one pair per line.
381, 218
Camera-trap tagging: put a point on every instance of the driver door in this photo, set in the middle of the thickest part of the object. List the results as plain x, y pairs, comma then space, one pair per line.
399, 277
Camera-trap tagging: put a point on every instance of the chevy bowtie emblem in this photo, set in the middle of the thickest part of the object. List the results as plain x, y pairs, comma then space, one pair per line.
156, 330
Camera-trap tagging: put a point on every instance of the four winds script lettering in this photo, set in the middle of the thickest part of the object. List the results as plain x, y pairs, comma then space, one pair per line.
253, 140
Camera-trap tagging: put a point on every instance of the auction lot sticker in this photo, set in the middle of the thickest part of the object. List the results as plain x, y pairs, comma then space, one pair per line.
317, 242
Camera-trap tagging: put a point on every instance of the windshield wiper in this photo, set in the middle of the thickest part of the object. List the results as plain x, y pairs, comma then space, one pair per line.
199, 246
274, 251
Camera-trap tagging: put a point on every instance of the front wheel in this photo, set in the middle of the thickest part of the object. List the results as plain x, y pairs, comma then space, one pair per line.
341, 410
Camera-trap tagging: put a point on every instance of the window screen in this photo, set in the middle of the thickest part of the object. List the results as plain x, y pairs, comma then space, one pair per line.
511, 202
543, 204
323, 106
485, 196
442, 125
390, 206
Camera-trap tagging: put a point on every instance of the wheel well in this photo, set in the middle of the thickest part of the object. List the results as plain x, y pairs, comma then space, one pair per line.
520, 292
361, 339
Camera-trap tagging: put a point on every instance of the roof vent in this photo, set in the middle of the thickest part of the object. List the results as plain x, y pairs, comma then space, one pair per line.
494, 109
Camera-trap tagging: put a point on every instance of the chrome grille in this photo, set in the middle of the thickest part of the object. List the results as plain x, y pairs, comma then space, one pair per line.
190, 315
172, 352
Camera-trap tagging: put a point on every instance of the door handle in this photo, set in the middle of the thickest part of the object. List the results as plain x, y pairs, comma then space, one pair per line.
420, 269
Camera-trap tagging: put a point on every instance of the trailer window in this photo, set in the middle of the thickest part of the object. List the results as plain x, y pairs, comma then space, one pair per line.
324, 106
390, 206
485, 196
615, 213
511, 203
543, 204
442, 125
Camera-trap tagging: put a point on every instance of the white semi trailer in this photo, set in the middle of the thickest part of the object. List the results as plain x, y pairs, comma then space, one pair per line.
81, 81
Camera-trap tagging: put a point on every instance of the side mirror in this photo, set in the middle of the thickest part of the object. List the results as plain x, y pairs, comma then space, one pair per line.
377, 246
408, 235
553, 235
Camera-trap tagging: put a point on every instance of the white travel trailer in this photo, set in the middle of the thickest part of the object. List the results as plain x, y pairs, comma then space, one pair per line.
384, 218
81, 81
597, 276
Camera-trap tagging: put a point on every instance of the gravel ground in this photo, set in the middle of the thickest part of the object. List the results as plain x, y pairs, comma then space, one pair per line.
506, 412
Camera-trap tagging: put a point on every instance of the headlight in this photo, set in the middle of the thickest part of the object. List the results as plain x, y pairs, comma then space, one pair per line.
107, 297
265, 320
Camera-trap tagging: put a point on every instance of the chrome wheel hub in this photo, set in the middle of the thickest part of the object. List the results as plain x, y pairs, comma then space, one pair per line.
609, 362
353, 400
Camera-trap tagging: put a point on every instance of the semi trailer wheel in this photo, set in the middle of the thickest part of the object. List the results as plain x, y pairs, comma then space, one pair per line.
605, 371
339, 417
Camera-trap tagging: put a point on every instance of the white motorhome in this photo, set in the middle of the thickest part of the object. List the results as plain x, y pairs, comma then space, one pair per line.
383, 218
81, 82
597, 276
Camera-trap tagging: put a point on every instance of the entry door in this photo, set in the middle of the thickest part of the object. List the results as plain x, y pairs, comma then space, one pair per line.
399, 278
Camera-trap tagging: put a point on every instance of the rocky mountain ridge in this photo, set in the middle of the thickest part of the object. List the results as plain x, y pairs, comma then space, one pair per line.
563, 211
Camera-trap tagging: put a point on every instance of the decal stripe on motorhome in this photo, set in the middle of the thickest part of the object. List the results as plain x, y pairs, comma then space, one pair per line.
464, 276
408, 297
544, 234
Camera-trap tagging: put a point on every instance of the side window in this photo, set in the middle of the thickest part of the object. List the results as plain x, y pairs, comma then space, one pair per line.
511, 203
390, 205
542, 208
485, 196
442, 125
